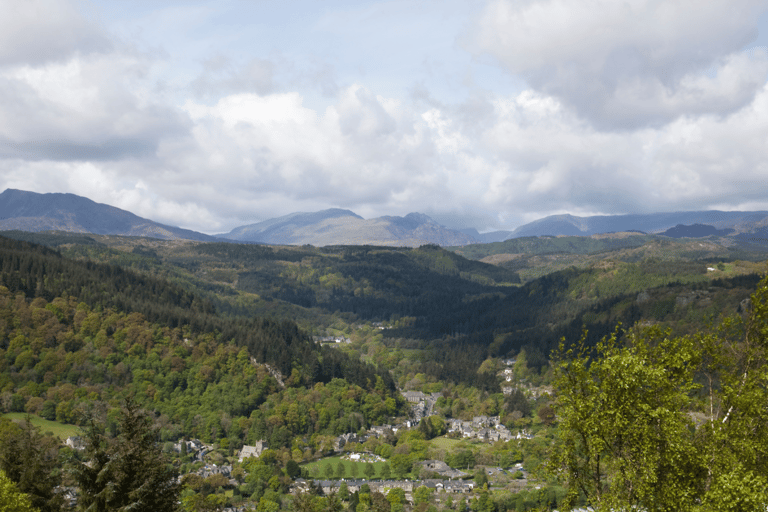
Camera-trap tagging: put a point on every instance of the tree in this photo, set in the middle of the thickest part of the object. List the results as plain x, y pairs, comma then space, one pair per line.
425, 427
328, 470
396, 495
401, 464
627, 436
128, 472
11, 498
333, 502
481, 478
30, 460
369, 470
379, 503
354, 470
292, 469
546, 414
343, 491
422, 494
386, 471
623, 425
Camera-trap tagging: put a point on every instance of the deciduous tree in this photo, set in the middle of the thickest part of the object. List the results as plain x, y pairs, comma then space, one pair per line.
626, 407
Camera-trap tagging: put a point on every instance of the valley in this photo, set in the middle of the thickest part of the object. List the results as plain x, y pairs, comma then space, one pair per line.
411, 355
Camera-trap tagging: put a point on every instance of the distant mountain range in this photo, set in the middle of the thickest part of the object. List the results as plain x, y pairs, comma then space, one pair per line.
343, 227
30, 211
657, 223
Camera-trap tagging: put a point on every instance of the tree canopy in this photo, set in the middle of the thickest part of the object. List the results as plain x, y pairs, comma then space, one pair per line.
654, 422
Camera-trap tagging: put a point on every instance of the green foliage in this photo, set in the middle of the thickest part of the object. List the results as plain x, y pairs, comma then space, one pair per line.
627, 437
396, 495
205, 389
30, 460
11, 498
127, 472
292, 469
481, 478
40, 273
461, 459
401, 464
422, 494
535, 245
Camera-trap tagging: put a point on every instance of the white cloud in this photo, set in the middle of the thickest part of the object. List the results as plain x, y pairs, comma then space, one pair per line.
357, 151
39, 31
631, 107
632, 63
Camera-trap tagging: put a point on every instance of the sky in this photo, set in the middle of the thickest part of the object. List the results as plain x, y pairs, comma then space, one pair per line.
210, 115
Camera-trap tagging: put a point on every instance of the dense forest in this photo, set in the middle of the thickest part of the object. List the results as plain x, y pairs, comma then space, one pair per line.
76, 333
457, 312
215, 342
39, 272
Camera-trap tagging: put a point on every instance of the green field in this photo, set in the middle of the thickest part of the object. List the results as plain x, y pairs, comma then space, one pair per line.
317, 468
60, 430
446, 443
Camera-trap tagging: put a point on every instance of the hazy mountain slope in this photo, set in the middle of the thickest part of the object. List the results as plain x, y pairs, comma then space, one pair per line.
343, 227
282, 230
571, 225
30, 211
533, 257
696, 231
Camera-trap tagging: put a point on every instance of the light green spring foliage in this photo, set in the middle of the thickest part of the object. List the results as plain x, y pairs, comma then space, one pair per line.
660, 423
11, 498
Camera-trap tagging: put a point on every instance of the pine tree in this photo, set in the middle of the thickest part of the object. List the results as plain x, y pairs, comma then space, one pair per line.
29, 459
128, 472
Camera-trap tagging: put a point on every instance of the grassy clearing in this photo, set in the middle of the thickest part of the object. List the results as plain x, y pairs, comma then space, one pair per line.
317, 468
60, 430
446, 443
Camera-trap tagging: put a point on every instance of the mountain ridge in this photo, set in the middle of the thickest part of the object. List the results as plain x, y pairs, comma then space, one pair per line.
34, 212
656, 223
30, 211
344, 227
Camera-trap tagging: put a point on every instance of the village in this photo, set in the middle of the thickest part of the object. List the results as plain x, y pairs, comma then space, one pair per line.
436, 477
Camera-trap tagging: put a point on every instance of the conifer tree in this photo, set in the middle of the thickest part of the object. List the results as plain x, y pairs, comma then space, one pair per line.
30, 460
128, 472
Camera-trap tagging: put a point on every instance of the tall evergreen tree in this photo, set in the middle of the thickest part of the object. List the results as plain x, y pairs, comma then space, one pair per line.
128, 472
30, 460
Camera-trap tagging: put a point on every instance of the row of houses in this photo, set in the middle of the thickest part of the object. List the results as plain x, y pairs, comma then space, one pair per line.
484, 428
441, 468
213, 469
384, 486
331, 339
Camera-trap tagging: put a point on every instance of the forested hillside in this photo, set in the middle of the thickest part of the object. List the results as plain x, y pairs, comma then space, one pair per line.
203, 337
74, 334
534, 256
454, 312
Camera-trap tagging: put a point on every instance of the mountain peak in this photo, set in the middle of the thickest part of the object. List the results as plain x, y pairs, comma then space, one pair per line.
30, 211
343, 227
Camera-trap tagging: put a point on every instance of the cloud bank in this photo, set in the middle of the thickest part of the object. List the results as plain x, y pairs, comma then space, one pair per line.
609, 107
